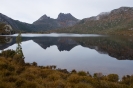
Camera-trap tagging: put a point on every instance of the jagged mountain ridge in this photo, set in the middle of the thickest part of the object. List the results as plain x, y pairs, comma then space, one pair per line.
114, 22
66, 20
63, 20
42, 24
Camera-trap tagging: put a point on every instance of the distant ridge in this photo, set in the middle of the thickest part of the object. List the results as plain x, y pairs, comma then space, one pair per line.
42, 24
118, 21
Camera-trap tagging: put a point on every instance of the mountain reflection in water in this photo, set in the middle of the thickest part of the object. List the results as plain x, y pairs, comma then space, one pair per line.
119, 47
78, 53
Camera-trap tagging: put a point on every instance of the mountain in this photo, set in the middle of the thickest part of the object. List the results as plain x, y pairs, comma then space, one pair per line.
63, 20
46, 23
17, 25
118, 21
42, 24
66, 20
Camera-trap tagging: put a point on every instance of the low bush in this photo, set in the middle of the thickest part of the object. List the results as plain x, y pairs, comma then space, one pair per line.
82, 73
113, 77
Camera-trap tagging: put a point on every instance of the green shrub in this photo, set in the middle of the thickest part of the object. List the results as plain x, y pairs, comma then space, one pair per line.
98, 75
3, 65
8, 53
30, 85
27, 64
19, 83
54, 77
83, 85
73, 71
34, 64
113, 77
45, 73
7, 73
59, 84
19, 70
29, 77
18, 59
82, 73
131, 85
10, 79
74, 78
11, 68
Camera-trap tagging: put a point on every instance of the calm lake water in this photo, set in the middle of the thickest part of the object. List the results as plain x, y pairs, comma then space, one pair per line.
87, 52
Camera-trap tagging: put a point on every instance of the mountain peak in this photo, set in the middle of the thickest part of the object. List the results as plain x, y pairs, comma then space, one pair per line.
44, 17
64, 17
61, 14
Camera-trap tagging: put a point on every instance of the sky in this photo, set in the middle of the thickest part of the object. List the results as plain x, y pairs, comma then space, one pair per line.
30, 10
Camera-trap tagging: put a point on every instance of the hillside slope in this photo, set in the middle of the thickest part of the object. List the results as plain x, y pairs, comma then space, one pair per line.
118, 21
16, 25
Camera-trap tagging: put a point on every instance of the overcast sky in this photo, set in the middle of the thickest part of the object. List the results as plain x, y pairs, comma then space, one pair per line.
31, 10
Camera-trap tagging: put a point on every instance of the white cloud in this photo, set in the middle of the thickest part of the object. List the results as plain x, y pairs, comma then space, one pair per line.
30, 10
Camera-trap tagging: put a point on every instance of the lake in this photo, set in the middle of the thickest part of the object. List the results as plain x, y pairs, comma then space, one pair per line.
87, 52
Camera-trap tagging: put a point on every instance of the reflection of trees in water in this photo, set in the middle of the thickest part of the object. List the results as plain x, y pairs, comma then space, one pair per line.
5, 39
120, 48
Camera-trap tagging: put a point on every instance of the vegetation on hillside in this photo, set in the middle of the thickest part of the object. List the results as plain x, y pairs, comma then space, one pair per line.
16, 75
117, 22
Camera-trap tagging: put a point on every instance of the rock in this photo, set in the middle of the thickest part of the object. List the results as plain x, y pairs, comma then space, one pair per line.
5, 29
